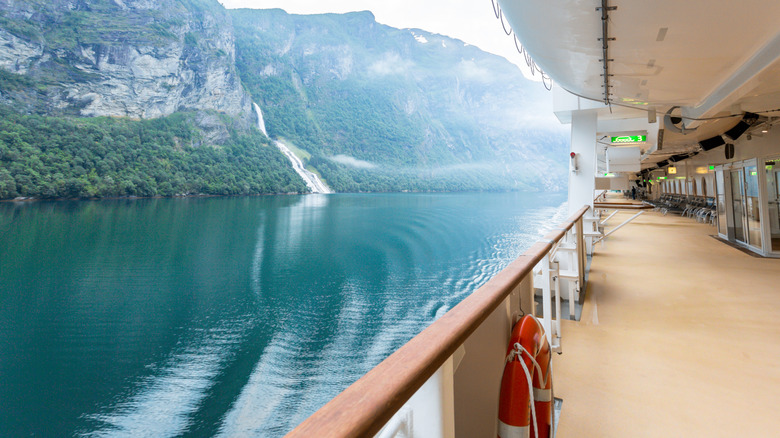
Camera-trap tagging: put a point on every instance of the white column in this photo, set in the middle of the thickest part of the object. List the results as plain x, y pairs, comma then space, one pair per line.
582, 183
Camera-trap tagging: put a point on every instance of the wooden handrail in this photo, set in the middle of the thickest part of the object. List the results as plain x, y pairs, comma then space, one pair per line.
367, 405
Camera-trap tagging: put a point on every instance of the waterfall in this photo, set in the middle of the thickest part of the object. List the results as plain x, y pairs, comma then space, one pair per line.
260, 120
313, 182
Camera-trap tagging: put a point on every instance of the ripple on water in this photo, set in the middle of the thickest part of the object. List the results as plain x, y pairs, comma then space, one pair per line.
332, 284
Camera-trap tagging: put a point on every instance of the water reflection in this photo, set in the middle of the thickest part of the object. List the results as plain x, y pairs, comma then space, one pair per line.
230, 316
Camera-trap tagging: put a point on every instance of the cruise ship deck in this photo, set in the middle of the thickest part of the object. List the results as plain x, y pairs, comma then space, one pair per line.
679, 336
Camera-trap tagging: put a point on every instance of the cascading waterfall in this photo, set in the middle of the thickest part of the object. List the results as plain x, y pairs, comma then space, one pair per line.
315, 184
260, 120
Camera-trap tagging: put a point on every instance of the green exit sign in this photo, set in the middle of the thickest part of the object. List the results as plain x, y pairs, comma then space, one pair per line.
629, 139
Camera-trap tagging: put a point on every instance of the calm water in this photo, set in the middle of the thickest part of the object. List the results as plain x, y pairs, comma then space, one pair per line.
229, 316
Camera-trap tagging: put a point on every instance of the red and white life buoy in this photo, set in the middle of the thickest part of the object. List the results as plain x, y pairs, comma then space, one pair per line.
526, 377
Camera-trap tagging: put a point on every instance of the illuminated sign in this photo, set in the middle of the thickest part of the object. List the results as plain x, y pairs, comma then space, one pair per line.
609, 175
701, 170
712, 167
672, 170
661, 177
629, 139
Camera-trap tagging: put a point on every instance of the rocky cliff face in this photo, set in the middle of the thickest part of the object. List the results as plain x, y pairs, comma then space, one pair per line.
133, 58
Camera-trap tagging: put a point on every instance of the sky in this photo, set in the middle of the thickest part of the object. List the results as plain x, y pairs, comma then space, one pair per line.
472, 21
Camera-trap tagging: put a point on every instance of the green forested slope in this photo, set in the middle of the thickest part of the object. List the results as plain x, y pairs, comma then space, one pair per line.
55, 157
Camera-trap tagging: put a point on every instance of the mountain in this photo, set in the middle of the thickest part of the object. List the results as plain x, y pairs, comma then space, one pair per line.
127, 58
127, 98
104, 98
380, 108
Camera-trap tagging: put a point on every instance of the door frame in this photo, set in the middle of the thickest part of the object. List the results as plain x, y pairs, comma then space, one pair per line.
766, 226
765, 246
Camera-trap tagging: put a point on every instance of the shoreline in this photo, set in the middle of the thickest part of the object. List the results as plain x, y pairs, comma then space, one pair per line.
31, 199
114, 198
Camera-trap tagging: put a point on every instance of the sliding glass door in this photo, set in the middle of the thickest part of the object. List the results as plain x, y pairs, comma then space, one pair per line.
773, 202
737, 205
720, 190
752, 207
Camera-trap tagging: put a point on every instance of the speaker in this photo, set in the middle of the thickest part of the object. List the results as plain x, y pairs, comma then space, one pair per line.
729, 151
712, 143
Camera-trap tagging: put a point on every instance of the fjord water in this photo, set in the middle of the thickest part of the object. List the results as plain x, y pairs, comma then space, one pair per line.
229, 316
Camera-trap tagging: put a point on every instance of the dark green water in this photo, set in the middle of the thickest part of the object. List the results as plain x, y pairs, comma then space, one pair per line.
229, 316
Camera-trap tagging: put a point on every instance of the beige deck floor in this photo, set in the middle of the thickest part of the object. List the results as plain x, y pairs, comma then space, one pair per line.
679, 336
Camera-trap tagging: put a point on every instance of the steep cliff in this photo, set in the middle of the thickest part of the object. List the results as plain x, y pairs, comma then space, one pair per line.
132, 58
381, 108
180, 121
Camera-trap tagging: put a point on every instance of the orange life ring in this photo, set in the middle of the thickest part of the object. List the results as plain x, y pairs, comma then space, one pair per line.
529, 345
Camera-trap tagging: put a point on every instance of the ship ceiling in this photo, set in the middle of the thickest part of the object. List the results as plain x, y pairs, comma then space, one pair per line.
712, 59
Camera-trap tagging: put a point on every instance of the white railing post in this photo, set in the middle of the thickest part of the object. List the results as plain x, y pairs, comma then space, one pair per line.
574, 270
545, 285
591, 232
567, 255
555, 342
549, 284
581, 256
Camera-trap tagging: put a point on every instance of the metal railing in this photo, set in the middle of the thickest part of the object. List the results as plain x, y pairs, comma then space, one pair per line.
445, 380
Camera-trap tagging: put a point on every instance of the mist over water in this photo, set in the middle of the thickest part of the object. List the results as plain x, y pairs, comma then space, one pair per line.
229, 316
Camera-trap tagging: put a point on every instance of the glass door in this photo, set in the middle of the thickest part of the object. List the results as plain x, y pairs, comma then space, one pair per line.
773, 198
752, 207
738, 210
720, 188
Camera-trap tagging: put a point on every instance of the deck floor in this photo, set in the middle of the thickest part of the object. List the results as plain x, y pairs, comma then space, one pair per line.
679, 336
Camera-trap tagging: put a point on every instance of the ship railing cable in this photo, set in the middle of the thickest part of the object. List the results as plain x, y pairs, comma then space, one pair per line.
534, 68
